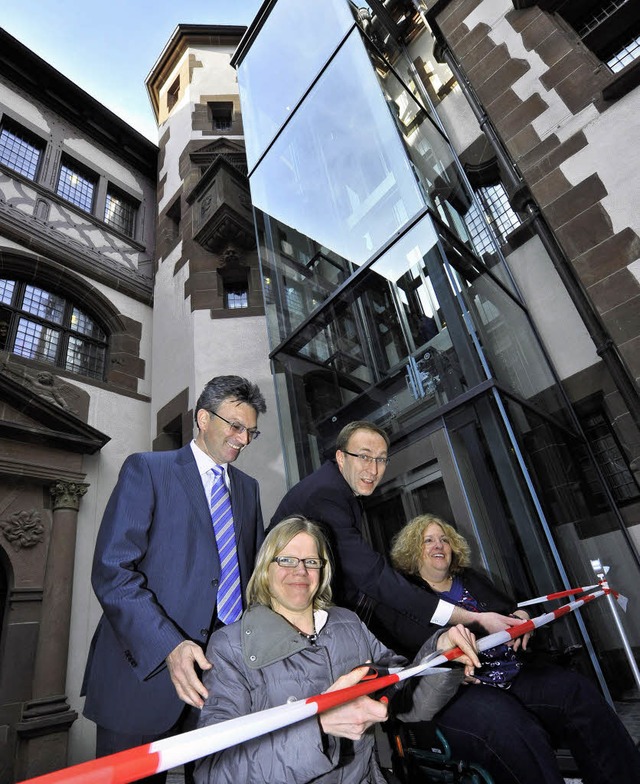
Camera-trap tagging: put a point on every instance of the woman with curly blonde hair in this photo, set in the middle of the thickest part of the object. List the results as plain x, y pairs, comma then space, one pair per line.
515, 710
406, 554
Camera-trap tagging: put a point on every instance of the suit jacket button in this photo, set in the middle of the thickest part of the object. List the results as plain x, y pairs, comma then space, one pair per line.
204, 633
214, 583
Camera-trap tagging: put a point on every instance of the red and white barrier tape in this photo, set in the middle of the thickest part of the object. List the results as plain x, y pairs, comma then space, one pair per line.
141, 761
558, 595
622, 600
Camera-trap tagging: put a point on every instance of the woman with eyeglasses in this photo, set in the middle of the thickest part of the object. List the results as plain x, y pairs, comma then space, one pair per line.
517, 707
291, 644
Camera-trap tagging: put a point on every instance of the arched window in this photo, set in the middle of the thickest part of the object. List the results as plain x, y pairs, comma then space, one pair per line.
44, 326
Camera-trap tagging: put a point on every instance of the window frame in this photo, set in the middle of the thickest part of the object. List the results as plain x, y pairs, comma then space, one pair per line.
610, 35
115, 193
235, 293
79, 170
15, 313
35, 142
221, 112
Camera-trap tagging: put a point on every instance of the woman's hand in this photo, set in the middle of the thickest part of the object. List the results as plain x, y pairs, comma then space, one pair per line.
523, 641
459, 636
354, 718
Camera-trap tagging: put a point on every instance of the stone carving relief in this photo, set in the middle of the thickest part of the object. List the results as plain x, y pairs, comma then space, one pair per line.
67, 495
46, 386
23, 529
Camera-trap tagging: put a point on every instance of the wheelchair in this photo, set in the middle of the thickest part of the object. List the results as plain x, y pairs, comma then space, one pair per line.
420, 754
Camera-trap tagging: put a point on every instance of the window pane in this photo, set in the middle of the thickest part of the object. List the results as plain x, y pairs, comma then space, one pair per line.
119, 213
36, 341
19, 154
347, 190
76, 188
626, 55
7, 288
80, 322
268, 94
85, 358
44, 304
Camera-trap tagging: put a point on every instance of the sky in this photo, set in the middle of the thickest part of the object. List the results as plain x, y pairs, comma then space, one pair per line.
108, 47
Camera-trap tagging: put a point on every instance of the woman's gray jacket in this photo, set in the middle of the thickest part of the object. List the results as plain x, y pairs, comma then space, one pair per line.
262, 661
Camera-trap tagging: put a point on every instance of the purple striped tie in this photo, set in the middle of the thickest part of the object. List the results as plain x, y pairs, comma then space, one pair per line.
229, 591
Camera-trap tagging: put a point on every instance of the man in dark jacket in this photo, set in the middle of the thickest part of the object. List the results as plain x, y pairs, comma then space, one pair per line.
363, 579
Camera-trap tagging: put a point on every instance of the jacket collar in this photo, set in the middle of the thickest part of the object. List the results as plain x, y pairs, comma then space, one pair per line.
267, 637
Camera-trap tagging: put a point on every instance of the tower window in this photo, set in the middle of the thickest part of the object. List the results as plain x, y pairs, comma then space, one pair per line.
19, 149
173, 94
221, 115
43, 326
236, 294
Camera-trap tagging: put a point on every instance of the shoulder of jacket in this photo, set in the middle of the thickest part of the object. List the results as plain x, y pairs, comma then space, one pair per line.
239, 474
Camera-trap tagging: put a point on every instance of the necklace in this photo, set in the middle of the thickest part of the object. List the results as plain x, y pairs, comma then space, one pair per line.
312, 637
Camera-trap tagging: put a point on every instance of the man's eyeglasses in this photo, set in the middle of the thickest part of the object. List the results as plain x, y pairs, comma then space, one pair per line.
238, 428
367, 459
290, 562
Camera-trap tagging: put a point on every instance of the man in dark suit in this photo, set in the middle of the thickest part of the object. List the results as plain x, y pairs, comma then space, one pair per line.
364, 581
156, 571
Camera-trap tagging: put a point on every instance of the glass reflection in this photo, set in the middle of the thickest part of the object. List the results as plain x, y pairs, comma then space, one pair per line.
391, 347
510, 347
339, 173
269, 94
582, 530
431, 157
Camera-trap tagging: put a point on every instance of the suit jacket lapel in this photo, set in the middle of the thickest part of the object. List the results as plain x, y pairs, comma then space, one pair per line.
237, 501
188, 476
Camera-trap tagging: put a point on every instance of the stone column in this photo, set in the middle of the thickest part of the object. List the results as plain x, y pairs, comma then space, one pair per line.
48, 713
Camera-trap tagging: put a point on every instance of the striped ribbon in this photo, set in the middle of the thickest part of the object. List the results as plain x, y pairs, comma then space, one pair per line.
141, 761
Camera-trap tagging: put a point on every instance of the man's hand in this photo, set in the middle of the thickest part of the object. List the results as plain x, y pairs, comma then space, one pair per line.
181, 664
461, 637
354, 718
490, 621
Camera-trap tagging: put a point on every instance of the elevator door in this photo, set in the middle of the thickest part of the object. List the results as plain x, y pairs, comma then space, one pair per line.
397, 503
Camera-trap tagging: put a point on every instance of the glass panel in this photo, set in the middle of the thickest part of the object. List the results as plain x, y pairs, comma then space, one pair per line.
392, 348
582, 530
76, 188
431, 157
286, 64
85, 358
19, 154
36, 341
609, 457
298, 275
44, 304
347, 190
7, 287
80, 322
510, 346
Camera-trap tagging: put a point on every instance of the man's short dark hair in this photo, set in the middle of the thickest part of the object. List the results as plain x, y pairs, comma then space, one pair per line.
361, 424
238, 389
